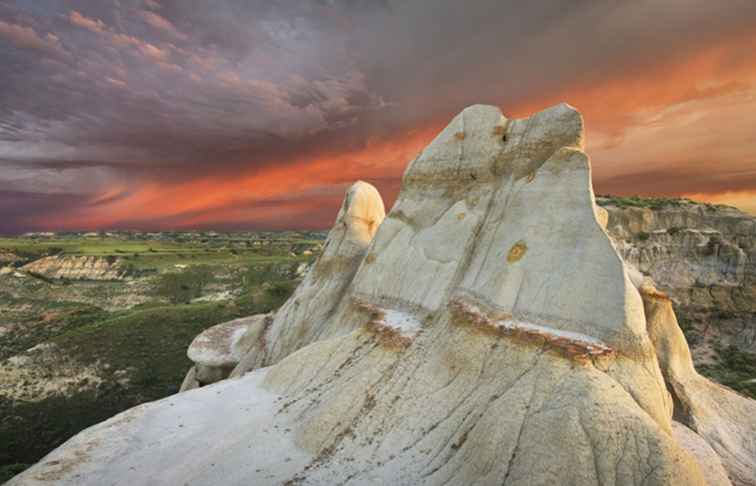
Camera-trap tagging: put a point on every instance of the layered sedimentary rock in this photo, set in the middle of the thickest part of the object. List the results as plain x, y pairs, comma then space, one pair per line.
78, 268
703, 257
489, 333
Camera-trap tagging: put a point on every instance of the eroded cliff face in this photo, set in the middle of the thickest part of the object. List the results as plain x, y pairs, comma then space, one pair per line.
487, 332
704, 257
78, 268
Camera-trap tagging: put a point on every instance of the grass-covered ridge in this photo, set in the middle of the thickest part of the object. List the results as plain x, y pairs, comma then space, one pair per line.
653, 202
165, 253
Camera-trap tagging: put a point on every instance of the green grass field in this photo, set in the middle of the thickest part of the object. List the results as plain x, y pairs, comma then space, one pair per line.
162, 255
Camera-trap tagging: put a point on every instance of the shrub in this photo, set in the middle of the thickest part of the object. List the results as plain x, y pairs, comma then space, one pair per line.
734, 368
182, 287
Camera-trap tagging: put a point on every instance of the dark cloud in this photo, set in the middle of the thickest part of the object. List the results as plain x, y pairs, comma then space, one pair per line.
20, 209
169, 91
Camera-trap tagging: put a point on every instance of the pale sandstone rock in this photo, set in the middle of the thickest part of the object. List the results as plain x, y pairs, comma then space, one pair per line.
602, 216
711, 465
190, 381
722, 417
488, 334
300, 320
218, 349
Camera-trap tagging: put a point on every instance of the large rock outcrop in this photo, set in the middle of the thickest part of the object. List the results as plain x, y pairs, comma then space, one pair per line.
490, 333
239, 346
78, 268
702, 256
722, 417
301, 320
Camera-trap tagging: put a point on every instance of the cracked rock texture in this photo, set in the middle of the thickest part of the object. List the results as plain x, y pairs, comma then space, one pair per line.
703, 257
487, 333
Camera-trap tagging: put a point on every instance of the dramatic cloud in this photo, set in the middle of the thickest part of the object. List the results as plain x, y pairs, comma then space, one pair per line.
25, 37
95, 25
243, 114
162, 24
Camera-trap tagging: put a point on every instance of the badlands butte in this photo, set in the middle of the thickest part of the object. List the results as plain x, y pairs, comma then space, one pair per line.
497, 326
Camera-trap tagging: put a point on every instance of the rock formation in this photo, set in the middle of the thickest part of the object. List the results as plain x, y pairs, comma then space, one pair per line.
703, 257
722, 417
78, 268
257, 341
218, 350
301, 320
490, 333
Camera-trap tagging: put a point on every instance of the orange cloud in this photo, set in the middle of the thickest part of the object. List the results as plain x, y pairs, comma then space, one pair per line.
95, 25
150, 51
669, 128
268, 196
609, 104
27, 38
162, 24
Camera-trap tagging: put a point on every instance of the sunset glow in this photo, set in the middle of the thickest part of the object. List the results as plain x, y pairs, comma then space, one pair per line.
153, 123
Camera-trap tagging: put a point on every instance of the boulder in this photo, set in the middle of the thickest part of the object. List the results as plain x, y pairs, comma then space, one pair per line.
218, 349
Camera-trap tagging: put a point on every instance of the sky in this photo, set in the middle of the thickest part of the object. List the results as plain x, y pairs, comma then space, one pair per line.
246, 114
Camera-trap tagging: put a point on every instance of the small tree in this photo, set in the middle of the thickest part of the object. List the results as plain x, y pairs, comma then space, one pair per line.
184, 286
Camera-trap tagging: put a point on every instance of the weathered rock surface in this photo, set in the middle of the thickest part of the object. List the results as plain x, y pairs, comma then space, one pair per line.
219, 349
720, 416
711, 465
78, 268
300, 320
489, 333
703, 257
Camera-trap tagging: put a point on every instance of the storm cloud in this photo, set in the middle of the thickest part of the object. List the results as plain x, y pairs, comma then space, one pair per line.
246, 114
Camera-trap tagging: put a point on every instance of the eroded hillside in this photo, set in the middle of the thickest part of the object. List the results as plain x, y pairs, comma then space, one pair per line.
91, 325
